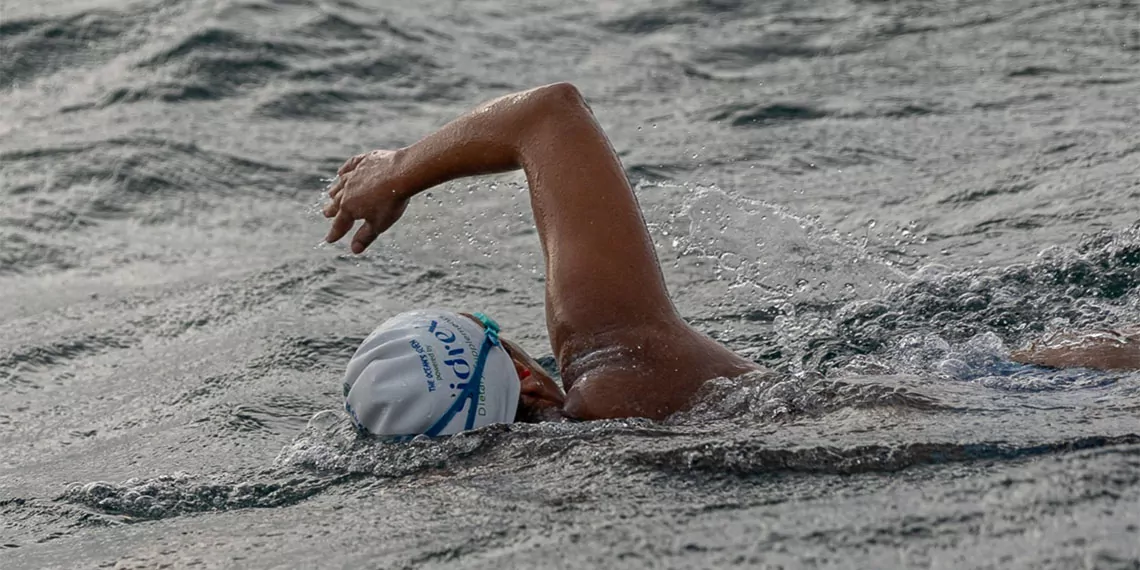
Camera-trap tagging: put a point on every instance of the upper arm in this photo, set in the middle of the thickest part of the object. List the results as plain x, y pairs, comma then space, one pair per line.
601, 267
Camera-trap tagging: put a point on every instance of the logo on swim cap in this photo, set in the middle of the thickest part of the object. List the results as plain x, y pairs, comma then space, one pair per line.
430, 372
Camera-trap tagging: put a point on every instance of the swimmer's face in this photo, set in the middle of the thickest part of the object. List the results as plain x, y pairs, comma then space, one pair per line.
540, 397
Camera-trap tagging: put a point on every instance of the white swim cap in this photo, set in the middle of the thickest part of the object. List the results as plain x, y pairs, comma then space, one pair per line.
431, 372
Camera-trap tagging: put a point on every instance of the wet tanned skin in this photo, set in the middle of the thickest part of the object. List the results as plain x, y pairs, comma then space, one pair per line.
622, 348
1100, 350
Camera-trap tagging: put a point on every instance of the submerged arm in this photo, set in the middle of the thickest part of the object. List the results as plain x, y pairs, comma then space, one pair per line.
1101, 350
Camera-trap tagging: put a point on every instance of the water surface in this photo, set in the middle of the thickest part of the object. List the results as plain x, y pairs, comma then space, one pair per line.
876, 200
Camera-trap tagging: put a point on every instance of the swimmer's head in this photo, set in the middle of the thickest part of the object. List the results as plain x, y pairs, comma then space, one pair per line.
437, 373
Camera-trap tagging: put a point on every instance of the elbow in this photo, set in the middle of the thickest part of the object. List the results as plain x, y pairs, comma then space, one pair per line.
562, 92
559, 99
552, 111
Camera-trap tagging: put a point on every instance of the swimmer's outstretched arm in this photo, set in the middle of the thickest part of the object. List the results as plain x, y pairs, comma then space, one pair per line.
1100, 350
601, 268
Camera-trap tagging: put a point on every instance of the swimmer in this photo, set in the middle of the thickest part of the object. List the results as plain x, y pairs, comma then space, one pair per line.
621, 347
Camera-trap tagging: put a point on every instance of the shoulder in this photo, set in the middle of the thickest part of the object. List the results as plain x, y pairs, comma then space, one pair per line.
648, 372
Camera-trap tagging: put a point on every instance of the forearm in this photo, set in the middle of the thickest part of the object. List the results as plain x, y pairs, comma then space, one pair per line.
487, 140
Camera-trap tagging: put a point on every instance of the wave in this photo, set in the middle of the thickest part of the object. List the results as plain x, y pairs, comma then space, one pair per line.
1092, 285
767, 397
60, 352
756, 425
20, 253
737, 427
38, 47
746, 458
210, 64
843, 305
146, 180
179, 494
130, 61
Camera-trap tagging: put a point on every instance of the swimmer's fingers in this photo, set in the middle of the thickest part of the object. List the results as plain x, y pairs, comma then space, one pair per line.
350, 164
342, 180
342, 175
332, 208
376, 225
364, 237
336, 193
337, 187
340, 226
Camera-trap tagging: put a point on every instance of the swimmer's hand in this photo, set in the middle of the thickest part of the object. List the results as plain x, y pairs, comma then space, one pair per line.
376, 186
369, 187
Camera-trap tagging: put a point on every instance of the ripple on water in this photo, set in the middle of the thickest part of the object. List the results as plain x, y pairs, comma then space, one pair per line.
962, 324
180, 493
